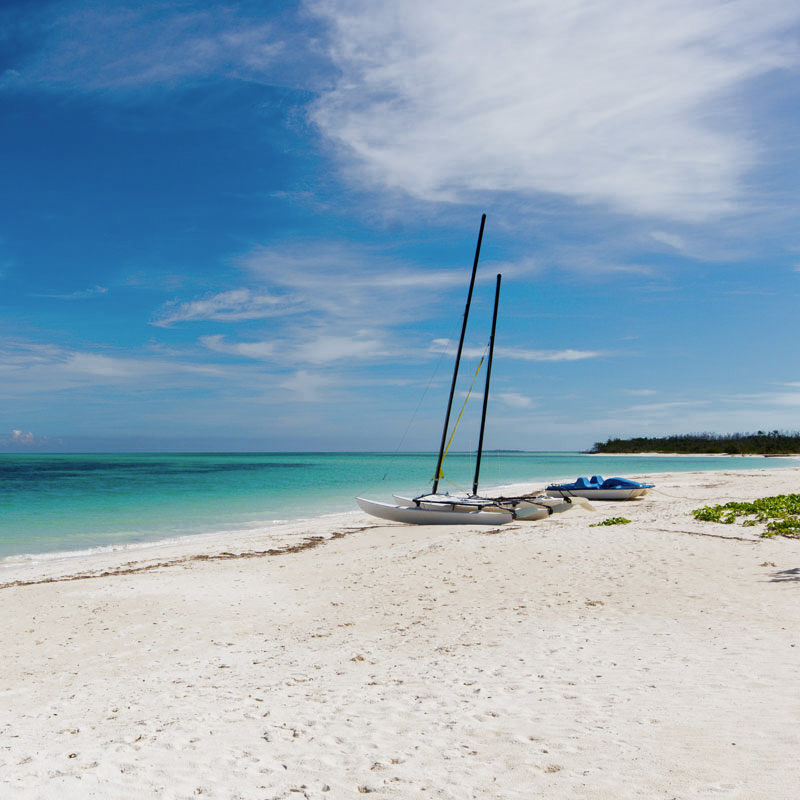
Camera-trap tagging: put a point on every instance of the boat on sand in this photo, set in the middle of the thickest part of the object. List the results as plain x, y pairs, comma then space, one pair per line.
437, 508
597, 488
453, 512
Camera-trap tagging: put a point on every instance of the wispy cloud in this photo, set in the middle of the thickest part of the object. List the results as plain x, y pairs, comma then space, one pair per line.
125, 46
345, 279
518, 353
672, 240
298, 345
328, 280
335, 302
29, 368
630, 103
82, 294
231, 306
515, 400
668, 407
327, 348
312, 305
780, 399
307, 387
785, 399
548, 355
262, 351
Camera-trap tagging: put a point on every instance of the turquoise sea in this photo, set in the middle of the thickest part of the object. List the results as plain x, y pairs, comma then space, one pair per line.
78, 502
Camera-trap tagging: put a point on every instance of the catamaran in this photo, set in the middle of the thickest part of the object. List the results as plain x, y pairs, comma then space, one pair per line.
435, 508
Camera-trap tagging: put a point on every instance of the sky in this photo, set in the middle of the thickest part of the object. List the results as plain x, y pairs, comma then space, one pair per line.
250, 226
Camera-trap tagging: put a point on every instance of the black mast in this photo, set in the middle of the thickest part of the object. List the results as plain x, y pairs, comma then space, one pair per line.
458, 358
486, 390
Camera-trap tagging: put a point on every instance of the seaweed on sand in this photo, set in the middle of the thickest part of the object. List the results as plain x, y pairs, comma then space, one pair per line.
781, 513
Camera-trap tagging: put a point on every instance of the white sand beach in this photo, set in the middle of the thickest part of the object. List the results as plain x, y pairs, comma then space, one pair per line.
659, 659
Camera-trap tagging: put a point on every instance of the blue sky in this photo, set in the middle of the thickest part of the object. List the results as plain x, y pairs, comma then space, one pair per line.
250, 226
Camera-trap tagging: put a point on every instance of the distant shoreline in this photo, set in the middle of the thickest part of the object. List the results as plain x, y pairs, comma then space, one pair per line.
762, 443
648, 454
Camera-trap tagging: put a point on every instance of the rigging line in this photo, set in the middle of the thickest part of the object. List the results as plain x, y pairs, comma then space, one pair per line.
458, 419
435, 372
456, 485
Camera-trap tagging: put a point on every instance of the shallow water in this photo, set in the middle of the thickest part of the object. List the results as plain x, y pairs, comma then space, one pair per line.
77, 502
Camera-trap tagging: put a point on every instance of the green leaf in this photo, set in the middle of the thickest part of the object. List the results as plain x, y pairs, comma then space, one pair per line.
611, 521
782, 512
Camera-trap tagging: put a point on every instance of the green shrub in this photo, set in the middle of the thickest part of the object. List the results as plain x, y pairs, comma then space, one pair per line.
781, 512
611, 521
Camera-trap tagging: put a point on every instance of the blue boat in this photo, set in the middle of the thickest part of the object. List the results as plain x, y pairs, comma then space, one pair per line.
597, 488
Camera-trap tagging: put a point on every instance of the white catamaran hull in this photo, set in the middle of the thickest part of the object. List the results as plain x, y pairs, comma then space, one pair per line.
441, 515
454, 502
538, 507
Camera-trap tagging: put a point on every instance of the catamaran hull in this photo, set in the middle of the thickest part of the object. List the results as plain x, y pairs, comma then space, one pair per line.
447, 501
539, 508
433, 516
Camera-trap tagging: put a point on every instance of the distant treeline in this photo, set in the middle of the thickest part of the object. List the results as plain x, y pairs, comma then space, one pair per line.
762, 443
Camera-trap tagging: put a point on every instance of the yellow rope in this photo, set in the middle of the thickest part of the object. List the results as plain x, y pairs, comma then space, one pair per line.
455, 427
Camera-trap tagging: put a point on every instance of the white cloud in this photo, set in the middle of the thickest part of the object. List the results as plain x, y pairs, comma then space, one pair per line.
326, 348
232, 306
335, 302
18, 438
124, 46
324, 302
100, 366
670, 239
668, 408
298, 345
256, 350
518, 353
81, 294
785, 399
631, 103
515, 400
306, 386
547, 355
28, 368
349, 280
776, 398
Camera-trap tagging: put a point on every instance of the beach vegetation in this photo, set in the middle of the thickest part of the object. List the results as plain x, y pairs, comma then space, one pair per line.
611, 521
764, 443
781, 513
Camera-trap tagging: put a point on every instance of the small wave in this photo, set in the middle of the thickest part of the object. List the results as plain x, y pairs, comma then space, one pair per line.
271, 526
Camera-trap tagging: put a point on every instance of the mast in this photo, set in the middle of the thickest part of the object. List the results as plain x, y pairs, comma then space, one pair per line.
486, 390
458, 358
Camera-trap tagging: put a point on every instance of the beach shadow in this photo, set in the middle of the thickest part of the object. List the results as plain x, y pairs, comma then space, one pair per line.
786, 575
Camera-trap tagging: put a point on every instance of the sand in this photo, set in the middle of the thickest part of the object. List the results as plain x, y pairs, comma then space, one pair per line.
544, 659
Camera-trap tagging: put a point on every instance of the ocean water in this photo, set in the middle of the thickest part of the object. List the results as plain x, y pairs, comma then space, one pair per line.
78, 502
